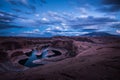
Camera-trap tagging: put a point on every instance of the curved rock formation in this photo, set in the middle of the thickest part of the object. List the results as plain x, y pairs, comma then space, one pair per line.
17, 53
89, 58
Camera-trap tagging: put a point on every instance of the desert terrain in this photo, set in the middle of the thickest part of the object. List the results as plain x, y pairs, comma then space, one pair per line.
60, 58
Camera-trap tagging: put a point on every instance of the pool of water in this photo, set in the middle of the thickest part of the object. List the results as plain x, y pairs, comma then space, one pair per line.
32, 56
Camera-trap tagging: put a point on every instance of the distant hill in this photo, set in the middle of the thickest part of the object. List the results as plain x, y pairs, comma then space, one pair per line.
100, 34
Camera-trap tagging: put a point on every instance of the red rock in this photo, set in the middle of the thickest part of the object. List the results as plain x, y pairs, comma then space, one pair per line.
17, 53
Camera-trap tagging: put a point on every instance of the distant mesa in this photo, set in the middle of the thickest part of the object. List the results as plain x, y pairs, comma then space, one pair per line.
100, 34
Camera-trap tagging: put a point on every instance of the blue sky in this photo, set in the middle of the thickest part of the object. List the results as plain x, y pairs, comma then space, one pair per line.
46, 18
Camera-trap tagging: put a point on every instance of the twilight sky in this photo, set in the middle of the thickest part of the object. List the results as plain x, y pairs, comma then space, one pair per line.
45, 18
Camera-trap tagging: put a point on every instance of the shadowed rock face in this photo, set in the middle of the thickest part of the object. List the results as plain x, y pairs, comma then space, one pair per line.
57, 53
65, 44
5, 63
17, 53
84, 39
28, 53
11, 45
3, 56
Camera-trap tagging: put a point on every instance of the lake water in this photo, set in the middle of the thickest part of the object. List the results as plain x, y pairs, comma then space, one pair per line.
29, 61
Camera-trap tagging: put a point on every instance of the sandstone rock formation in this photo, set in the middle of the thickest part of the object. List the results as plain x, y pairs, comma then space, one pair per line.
68, 58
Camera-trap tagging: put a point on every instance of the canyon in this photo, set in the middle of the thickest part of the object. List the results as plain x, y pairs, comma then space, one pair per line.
60, 58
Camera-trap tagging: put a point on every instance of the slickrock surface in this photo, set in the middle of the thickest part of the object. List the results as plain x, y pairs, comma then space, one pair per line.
81, 58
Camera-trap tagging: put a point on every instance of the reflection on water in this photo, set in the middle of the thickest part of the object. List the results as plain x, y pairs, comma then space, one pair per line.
29, 62
32, 57
44, 53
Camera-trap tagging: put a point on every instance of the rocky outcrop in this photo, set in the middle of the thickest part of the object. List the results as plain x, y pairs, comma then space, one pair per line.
11, 45
65, 44
5, 63
3, 56
17, 53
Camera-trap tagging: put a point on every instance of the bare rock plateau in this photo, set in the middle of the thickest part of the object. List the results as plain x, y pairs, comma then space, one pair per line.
60, 58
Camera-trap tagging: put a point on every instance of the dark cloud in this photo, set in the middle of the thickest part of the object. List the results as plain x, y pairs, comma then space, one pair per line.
82, 25
32, 7
20, 3
116, 26
12, 2
1, 5
111, 2
9, 16
33, 1
110, 6
5, 17
16, 10
89, 30
41, 23
90, 21
3, 33
27, 4
6, 26
102, 19
28, 13
43, 1
55, 30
